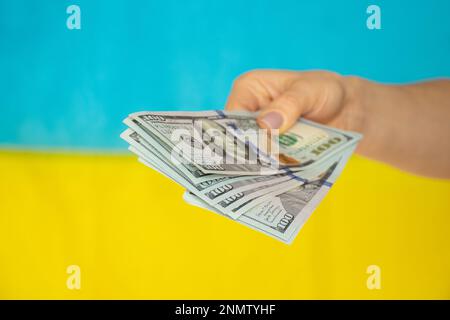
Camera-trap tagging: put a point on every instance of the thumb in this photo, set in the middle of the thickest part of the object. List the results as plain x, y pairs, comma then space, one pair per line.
283, 112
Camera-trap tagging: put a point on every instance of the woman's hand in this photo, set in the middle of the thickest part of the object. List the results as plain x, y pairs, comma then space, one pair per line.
284, 96
404, 125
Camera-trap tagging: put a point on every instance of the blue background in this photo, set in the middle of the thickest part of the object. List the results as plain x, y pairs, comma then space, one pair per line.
72, 88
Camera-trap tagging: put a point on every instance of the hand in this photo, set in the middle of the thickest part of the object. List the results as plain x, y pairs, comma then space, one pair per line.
401, 124
284, 96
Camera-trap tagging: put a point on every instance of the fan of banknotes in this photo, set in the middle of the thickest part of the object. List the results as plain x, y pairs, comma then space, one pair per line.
229, 165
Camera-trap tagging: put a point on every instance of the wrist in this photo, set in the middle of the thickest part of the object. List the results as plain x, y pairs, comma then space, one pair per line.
356, 91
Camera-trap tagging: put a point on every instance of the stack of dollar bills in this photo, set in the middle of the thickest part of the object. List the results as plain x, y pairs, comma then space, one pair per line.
229, 165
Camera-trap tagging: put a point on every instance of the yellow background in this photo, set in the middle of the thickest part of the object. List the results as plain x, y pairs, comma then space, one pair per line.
132, 235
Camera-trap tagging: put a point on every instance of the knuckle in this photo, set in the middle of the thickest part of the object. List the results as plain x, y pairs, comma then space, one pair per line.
239, 82
288, 99
320, 76
247, 77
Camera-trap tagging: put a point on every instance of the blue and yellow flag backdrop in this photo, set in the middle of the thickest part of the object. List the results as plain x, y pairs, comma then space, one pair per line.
75, 203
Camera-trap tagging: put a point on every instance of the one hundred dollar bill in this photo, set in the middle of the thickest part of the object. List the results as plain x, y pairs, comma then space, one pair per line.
270, 183
230, 195
282, 216
306, 144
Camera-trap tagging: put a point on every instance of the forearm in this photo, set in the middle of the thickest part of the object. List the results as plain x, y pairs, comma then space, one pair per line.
407, 126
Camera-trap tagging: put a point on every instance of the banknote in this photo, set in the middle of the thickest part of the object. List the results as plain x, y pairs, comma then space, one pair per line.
304, 146
271, 183
193, 200
283, 215
150, 146
231, 195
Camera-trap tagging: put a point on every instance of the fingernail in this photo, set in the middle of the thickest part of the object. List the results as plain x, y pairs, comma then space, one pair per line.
272, 120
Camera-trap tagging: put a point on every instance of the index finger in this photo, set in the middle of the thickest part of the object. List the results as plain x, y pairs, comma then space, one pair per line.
248, 93
257, 89
242, 97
